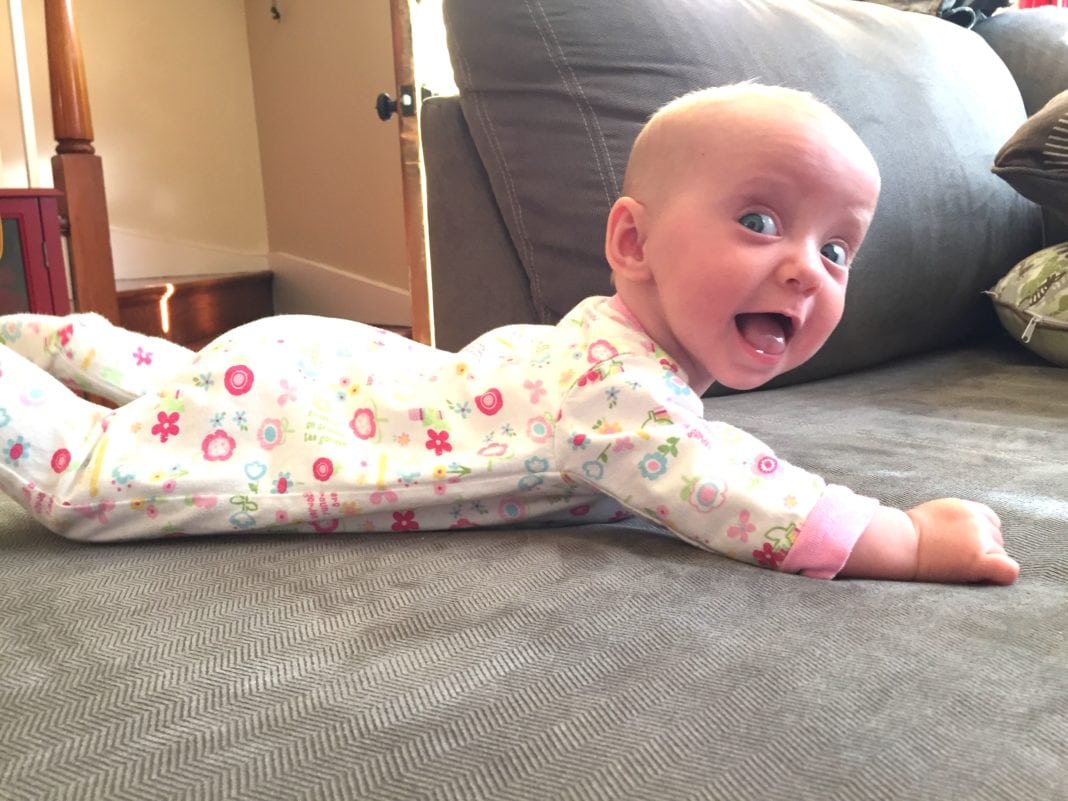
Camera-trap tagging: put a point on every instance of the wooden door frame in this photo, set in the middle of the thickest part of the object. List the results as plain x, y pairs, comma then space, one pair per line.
412, 176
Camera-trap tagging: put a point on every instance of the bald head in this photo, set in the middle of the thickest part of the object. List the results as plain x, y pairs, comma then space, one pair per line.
699, 126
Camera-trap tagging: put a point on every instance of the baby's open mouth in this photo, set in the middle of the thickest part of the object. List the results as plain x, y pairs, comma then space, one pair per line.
767, 332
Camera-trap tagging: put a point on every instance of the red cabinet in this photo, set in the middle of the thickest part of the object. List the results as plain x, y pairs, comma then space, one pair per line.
33, 276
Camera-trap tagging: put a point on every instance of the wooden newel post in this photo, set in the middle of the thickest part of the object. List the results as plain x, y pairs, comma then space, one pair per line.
77, 170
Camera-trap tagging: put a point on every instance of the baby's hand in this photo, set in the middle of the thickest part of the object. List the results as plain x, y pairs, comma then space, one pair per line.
959, 542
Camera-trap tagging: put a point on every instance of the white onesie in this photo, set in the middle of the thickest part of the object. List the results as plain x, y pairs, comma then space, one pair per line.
310, 423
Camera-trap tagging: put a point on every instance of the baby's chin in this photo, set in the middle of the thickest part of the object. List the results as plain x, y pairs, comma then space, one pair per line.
745, 385
745, 380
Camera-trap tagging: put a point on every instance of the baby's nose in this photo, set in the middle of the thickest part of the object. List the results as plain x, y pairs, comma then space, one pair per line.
802, 270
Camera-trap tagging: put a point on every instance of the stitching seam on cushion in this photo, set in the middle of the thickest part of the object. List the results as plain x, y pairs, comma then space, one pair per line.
574, 90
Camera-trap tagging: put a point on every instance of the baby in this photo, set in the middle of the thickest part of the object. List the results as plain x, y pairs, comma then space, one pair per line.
742, 210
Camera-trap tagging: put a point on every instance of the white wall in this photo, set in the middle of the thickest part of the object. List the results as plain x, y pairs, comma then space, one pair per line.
233, 142
331, 168
173, 117
171, 96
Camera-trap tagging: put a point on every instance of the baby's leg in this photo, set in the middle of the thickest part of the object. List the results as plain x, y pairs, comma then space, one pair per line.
44, 430
91, 354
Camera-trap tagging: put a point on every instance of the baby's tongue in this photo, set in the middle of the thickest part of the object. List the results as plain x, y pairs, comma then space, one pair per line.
764, 332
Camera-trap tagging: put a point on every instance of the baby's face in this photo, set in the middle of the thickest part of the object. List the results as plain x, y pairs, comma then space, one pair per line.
750, 255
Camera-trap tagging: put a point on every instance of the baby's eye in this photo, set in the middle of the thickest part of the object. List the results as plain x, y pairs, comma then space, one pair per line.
835, 253
760, 223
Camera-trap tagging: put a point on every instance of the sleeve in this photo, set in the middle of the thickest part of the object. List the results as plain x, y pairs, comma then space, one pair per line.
632, 429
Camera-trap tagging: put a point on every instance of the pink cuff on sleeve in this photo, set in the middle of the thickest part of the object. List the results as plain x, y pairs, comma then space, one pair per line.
830, 531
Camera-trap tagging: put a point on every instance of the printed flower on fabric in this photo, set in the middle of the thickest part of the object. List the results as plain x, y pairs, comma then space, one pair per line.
494, 450
529, 482
255, 470
539, 430
744, 528
242, 520
120, 477
607, 427
404, 521
511, 510
328, 526
579, 441
16, 450
218, 446
437, 441
600, 351
11, 331
60, 460
590, 377
537, 391
33, 397
270, 434
535, 465
768, 556
238, 379
765, 465
593, 470
408, 478
490, 402
289, 393
282, 484
5, 418
166, 426
147, 506
384, 496
142, 357
322, 468
363, 424
653, 465
676, 384
704, 496
346, 388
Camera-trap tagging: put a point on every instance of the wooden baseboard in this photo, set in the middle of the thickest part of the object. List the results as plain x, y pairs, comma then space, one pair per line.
193, 310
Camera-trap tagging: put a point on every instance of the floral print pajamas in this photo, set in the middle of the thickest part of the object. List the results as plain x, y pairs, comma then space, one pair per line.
311, 423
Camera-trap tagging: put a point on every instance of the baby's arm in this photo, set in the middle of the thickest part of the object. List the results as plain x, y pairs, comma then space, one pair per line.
946, 540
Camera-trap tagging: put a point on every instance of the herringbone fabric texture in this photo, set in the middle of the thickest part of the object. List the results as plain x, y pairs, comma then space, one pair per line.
604, 663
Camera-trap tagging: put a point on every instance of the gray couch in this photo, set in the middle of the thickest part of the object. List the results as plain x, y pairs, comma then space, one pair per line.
613, 662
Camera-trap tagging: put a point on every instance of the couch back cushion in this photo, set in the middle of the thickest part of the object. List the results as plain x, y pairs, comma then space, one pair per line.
554, 92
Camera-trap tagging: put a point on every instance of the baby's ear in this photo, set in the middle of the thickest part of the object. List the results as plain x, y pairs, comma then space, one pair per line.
624, 240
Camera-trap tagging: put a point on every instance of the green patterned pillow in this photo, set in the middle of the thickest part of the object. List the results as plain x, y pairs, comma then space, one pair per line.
1032, 303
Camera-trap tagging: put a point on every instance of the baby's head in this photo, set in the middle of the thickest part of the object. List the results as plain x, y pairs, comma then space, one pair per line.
743, 207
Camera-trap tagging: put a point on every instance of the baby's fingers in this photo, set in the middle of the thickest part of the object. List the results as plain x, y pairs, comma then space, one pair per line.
984, 512
998, 567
